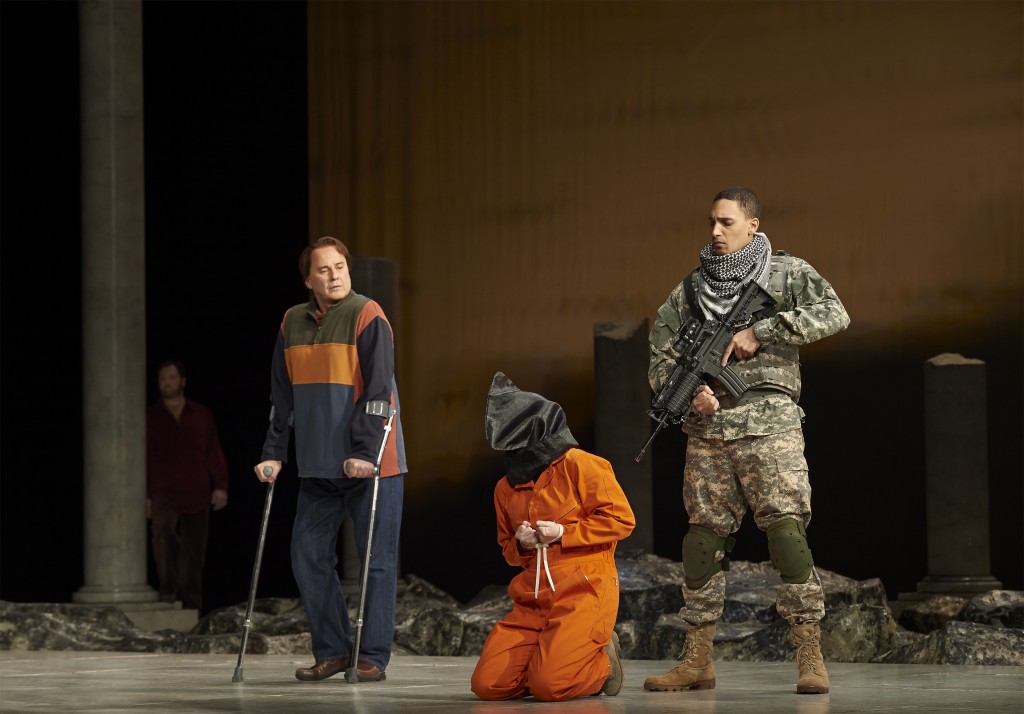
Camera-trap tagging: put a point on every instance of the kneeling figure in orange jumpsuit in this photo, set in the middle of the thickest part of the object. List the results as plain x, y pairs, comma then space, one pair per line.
560, 514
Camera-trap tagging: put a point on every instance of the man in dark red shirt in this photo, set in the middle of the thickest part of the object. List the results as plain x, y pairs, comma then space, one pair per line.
186, 475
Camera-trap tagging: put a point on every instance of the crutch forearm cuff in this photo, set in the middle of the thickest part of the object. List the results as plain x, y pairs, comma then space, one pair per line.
379, 407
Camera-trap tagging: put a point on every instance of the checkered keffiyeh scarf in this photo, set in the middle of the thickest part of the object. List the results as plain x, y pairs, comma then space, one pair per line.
723, 276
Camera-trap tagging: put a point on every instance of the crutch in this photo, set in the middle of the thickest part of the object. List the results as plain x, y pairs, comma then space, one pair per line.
375, 407
247, 625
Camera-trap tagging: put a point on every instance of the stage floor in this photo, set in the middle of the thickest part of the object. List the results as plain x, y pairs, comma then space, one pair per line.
114, 682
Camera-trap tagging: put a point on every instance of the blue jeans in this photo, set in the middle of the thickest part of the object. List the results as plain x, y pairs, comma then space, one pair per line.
322, 506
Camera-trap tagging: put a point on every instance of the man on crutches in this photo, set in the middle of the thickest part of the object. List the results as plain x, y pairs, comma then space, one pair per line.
333, 380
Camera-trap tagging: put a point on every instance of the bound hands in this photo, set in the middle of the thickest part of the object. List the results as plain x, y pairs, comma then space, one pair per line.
549, 531
546, 532
526, 536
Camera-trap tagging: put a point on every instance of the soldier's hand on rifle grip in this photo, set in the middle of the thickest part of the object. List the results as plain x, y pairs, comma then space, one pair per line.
743, 345
705, 402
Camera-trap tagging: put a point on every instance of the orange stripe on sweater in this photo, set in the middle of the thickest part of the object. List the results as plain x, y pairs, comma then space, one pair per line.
322, 364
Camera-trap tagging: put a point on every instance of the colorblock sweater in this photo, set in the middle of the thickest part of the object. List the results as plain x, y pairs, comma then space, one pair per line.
326, 367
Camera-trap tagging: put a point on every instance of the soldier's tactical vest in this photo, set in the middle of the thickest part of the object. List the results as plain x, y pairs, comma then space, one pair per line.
775, 367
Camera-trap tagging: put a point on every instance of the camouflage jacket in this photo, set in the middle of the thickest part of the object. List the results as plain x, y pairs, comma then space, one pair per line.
808, 310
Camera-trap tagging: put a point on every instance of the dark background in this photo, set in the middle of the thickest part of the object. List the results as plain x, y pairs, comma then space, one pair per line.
225, 158
226, 216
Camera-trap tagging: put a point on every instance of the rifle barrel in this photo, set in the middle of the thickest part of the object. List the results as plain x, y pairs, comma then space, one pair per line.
661, 425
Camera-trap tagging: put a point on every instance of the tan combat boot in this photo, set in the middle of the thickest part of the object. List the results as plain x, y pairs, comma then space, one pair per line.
696, 671
813, 677
613, 685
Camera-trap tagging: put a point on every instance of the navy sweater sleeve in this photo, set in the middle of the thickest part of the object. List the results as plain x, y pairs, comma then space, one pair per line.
275, 447
375, 348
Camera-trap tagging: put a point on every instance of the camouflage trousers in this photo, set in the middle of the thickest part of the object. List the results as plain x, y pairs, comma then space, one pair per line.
768, 473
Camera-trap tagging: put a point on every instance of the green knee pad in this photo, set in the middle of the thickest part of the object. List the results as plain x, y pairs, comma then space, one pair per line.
700, 546
787, 544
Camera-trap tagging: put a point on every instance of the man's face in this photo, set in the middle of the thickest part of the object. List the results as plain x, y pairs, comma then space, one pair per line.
731, 230
328, 276
171, 383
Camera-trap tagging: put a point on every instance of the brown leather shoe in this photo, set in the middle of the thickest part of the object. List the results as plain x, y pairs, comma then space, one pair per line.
322, 670
369, 672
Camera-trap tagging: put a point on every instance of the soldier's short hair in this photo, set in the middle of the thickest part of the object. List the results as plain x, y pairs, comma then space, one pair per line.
748, 201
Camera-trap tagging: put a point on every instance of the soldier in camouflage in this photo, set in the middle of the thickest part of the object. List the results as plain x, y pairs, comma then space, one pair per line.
747, 450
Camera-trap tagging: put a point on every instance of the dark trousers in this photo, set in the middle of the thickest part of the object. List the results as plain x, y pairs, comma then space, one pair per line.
179, 549
322, 506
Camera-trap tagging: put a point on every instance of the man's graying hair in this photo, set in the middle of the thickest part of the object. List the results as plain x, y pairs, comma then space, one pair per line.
747, 200
305, 258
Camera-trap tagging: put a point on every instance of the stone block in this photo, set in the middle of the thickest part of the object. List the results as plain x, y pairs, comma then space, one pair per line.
962, 643
932, 614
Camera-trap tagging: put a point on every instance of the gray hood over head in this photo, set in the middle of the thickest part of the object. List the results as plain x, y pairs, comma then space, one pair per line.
531, 430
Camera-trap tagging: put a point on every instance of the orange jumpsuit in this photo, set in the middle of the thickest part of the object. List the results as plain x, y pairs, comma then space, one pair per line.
553, 644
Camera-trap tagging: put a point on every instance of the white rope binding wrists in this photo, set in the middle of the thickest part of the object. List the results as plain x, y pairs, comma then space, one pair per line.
542, 557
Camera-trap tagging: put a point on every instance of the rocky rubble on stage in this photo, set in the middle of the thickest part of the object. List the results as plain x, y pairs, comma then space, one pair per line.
987, 629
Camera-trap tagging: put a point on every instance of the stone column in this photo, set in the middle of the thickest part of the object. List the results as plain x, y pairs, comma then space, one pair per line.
622, 426
956, 460
113, 304
376, 278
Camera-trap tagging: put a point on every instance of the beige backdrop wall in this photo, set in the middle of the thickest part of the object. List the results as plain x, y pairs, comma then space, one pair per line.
536, 167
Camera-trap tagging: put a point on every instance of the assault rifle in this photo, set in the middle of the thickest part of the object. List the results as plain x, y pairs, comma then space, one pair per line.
700, 346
